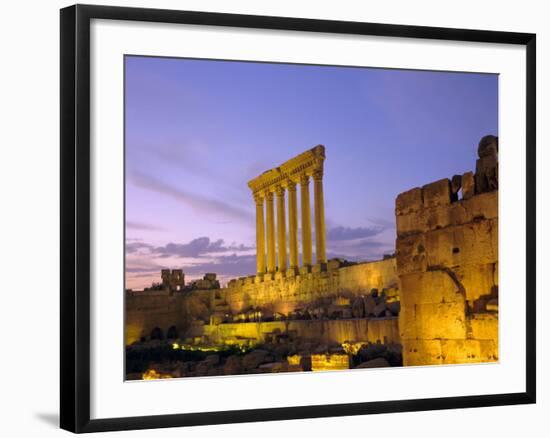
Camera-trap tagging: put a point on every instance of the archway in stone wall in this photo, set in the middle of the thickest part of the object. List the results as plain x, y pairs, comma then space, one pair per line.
172, 333
156, 333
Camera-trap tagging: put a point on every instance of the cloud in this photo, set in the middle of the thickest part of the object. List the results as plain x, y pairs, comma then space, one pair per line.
143, 269
142, 226
135, 246
200, 203
230, 265
359, 250
197, 248
383, 222
366, 244
347, 233
360, 243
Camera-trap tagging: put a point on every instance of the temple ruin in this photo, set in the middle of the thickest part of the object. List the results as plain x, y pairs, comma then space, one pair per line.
275, 183
434, 302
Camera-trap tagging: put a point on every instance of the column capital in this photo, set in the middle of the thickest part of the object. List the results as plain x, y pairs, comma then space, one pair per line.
258, 198
318, 174
291, 185
280, 190
304, 179
269, 196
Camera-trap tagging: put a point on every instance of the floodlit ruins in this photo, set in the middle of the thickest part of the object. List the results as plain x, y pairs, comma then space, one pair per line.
435, 301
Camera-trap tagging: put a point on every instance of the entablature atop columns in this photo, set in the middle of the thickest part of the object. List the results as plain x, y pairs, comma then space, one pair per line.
308, 163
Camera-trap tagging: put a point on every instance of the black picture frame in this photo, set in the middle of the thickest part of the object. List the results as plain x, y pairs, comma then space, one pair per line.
75, 217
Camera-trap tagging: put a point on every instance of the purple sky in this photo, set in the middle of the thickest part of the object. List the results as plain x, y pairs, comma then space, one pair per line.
198, 131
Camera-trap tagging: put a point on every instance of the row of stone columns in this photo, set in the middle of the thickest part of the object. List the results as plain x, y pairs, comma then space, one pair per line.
265, 233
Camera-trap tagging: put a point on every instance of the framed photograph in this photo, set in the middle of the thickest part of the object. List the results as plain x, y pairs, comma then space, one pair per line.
267, 218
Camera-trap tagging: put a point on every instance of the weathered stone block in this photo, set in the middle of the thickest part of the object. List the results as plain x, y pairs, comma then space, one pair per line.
488, 146
384, 330
370, 305
443, 247
456, 351
486, 174
468, 185
232, 365
379, 310
408, 202
422, 352
437, 217
482, 206
430, 287
472, 243
477, 280
254, 359
437, 193
441, 321
480, 242
412, 223
484, 326
407, 323
411, 254
394, 307
488, 350
329, 362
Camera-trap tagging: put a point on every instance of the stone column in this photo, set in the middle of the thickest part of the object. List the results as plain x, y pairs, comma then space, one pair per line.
281, 229
293, 225
320, 239
270, 232
306, 221
260, 234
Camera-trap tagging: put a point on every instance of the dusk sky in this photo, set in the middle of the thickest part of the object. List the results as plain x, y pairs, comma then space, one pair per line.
197, 131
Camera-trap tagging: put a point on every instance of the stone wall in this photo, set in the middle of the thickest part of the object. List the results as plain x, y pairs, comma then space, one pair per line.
374, 330
199, 312
286, 294
150, 310
447, 263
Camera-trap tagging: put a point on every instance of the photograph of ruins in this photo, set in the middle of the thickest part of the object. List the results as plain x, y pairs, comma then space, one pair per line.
293, 218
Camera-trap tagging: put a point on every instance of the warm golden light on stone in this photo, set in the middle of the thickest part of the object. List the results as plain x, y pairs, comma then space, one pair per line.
329, 362
435, 301
297, 170
154, 375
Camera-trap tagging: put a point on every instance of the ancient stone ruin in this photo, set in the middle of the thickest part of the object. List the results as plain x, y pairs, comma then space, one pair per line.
447, 263
277, 182
434, 302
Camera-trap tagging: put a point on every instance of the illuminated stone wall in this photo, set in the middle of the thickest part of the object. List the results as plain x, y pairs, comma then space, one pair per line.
447, 262
199, 312
383, 330
286, 294
149, 310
